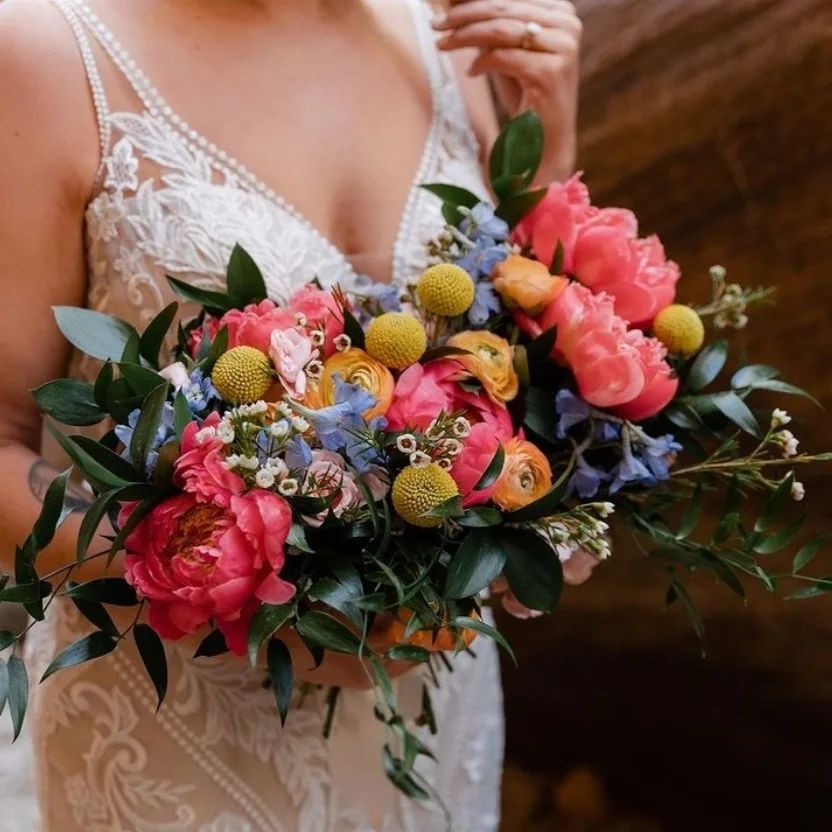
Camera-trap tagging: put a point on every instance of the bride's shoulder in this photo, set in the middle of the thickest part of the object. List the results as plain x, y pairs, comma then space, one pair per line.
44, 97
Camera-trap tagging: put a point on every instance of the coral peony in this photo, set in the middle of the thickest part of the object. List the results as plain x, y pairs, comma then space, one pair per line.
424, 391
477, 452
200, 469
253, 326
196, 562
660, 384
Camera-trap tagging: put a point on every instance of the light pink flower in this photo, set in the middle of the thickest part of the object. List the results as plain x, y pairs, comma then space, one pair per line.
477, 453
200, 469
290, 351
210, 327
253, 326
196, 562
327, 476
321, 312
424, 391
509, 601
578, 566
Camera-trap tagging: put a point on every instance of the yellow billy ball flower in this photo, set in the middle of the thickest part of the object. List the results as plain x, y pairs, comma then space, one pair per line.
680, 329
445, 290
242, 375
396, 339
419, 490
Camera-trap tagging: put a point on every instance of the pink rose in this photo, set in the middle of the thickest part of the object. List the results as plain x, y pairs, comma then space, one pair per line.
477, 452
327, 476
176, 374
321, 312
253, 326
613, 367
424, 391
200, 468
556, 218
290, 351
196, 562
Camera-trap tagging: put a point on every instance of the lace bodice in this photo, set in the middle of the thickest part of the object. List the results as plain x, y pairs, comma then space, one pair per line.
215, 759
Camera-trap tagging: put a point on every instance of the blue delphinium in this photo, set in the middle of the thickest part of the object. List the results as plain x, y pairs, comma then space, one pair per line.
479, 261
298, 455
572, 411
164, 433
199, 392
586, 480
385, 295
482, 221
486, 303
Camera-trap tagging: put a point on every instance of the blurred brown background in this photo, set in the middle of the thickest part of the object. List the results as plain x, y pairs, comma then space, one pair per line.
712, 119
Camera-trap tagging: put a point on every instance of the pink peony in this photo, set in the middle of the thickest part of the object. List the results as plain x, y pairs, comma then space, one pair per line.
327, 476
196, 562
321, 311
200, 469
424, 391
613, 367
477, 452
253, 326
210, 327
607, 257
556, 218
290, 351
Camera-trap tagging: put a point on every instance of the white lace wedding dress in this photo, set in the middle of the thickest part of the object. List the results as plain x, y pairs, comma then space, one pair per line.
215, 759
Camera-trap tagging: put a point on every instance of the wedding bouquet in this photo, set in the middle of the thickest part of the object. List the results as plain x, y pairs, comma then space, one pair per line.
363, 469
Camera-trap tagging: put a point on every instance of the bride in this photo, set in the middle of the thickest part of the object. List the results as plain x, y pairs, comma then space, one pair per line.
140, 138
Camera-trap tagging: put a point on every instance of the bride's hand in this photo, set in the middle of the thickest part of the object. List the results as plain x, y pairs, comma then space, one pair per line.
339, 669
531, 48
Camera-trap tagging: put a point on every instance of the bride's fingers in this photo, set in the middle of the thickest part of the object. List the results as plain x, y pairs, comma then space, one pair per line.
525, 11
533, 69
510, 34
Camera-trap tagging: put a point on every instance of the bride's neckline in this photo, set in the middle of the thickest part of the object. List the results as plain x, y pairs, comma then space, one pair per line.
157, 107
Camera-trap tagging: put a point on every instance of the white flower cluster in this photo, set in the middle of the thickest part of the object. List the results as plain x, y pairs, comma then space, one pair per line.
440, 444
579, 528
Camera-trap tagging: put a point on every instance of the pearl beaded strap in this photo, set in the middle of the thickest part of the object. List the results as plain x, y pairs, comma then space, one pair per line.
99, 98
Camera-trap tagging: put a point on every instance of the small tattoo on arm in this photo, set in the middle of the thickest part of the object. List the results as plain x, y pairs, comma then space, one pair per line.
41, 474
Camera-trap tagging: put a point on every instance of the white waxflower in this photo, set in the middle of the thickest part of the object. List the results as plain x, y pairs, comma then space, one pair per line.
264, 478
605, 509
452, 446
317, 337
205, 434
314, 369
300, 424
280, 429
277, 467
285, 410
434, 431
788, 442
225, 432
407, 443
779, 418
445, 463
798, 491
231, 461
288, 487
462, 427
249, 463
419, 459
342, 342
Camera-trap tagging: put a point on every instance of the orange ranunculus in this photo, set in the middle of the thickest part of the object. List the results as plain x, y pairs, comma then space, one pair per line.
491, 362
440, 640
526, 476
355, 367
526, 284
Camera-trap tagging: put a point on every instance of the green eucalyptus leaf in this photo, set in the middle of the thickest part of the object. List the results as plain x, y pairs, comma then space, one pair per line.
147, 427
752, 374
493, 471
212, 645
266, 622
486, 630
807, 553
94, 333
678, 591
532, 568
182, 415
478, 561
541, 416
93, 646
69, 401
776, 504
707, 366
453, 195
212, 301
691, 516
244, 279
89, 466
52, 513
737, 411
141, 379
341, 592
18, 693
408, 653
114, 591
777, 386
776, 542
152, 653
328, 633
26, 593
281, 676
113, 462
480, 517
102, 385
152, 339
517, 206
518, 149
96, 614
353, 329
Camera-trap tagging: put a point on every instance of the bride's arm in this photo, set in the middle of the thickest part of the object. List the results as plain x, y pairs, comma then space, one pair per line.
48, 158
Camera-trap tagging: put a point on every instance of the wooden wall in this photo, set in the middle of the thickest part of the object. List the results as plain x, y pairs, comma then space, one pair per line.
712, 119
